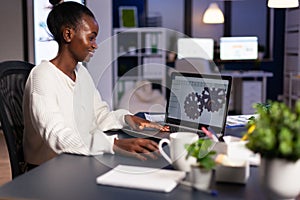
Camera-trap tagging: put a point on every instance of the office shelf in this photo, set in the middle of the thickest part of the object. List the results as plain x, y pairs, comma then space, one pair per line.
139, 54
292, 57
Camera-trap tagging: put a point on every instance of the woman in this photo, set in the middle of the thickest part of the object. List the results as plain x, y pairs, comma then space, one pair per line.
63, 111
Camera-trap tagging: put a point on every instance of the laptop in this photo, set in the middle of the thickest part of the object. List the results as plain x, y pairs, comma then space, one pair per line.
194, 101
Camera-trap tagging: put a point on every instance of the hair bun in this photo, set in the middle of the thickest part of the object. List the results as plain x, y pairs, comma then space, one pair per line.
55, 2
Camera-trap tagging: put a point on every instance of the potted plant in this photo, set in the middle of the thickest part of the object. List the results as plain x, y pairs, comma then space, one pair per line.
201, 172
275, 135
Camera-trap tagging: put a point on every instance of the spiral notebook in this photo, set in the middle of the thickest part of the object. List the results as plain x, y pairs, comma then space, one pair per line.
143, 178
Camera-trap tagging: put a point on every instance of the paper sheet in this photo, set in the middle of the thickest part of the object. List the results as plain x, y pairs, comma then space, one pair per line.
142, 178
155, 117
238, 120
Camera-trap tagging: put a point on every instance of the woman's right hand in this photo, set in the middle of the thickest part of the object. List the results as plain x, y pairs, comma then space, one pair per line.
136, 147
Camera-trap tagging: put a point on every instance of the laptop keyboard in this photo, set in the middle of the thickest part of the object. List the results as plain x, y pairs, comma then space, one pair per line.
174, 129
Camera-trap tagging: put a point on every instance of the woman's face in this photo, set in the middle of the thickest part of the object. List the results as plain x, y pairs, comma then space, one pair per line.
83, 44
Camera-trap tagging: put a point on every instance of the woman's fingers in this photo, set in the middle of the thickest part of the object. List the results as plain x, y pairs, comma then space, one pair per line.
130, 154
137, 147
138, 123
155, 125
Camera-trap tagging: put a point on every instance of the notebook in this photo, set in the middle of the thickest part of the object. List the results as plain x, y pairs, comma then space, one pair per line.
144, 178
195, 101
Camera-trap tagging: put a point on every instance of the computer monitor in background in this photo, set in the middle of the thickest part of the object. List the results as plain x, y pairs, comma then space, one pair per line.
238, 48
195, 48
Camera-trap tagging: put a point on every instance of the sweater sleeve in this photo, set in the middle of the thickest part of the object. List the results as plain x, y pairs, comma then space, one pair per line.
106, 119
102, 118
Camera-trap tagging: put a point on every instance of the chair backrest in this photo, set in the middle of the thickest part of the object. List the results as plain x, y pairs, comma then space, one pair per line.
13, 76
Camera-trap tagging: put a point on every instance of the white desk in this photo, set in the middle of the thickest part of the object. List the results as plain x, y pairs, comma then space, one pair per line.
238, 83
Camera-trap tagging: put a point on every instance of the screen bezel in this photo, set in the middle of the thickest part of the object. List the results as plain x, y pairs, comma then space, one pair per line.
194, 125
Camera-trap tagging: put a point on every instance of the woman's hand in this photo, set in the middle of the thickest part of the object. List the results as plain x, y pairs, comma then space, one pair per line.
138, 123
137, 147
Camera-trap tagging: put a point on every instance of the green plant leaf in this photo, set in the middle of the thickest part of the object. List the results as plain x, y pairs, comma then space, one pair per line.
277, 131
201, 150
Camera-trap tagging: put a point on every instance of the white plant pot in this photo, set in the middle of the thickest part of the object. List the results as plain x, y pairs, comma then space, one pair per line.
281, 177
200, 178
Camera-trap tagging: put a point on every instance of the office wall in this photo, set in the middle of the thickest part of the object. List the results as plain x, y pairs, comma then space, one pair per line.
175, 22
171, 11
199, 29
243, 19
11, 31
100, 66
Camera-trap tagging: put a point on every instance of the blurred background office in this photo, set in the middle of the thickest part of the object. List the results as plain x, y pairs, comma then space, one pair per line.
21, 21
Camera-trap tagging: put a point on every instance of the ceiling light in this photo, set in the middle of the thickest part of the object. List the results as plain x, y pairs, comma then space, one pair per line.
213, 15
283, 3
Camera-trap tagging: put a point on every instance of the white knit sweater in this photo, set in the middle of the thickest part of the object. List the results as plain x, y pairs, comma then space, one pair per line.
61, 115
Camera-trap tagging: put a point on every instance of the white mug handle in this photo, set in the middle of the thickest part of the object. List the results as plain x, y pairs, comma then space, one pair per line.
161, 150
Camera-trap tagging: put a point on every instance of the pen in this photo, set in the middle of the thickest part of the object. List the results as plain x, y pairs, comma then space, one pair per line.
207, 191
250, 131
209, 134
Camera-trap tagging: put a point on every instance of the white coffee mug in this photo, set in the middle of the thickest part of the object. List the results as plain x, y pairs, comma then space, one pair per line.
178, 151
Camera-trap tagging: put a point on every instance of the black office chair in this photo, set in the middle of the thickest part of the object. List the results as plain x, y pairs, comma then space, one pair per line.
13, 76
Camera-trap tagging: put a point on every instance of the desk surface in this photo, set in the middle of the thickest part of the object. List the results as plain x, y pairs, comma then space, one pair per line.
74, 177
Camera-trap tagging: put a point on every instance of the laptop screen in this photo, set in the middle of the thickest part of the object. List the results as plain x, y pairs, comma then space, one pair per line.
198, 100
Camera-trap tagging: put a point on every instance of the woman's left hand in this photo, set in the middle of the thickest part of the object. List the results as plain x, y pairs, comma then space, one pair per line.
138, 123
